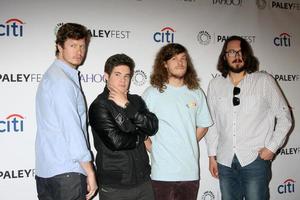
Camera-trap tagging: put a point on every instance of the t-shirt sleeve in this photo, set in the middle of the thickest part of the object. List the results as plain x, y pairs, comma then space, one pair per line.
203, 115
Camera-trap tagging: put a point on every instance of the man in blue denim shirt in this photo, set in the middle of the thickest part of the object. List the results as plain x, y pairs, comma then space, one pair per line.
63, 161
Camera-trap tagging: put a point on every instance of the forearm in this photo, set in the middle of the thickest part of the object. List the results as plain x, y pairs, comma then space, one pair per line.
88, 168
115, 130
147, 123
200, 132
148, 144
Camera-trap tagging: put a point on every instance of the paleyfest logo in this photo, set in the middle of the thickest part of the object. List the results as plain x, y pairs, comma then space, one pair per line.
283, 5
208, 195
205, 38
139, 78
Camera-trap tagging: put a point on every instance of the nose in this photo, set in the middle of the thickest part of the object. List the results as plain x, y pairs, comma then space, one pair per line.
79, 50
123, 79
238, 54
179, 61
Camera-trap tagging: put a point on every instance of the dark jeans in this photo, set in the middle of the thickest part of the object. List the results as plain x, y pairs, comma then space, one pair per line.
68, 186
177, 190
143, 191
250, 182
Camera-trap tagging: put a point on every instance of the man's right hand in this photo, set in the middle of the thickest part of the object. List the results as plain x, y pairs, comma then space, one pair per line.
91, 185
118, 96
90, 180
213, 166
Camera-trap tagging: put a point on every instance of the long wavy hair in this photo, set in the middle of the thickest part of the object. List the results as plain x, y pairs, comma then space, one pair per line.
159, 77
251, 62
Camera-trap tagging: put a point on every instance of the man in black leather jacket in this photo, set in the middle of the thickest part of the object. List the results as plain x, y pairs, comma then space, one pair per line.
120, 123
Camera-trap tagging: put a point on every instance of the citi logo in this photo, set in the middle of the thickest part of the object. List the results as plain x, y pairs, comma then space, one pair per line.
288, 186
284, 40
13, 123
165, 35
12, 28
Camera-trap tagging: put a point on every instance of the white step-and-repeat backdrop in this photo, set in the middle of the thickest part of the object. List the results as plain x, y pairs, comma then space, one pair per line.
139, 28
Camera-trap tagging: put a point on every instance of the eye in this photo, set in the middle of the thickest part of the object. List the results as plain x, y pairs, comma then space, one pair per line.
82, 46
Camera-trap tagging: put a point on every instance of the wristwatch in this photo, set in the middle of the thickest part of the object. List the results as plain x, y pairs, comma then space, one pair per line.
126, 104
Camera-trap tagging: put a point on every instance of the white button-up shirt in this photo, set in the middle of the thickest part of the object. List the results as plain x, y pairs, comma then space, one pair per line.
246, 128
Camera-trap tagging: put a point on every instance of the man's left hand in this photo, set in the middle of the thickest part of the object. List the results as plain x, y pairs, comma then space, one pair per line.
266, 154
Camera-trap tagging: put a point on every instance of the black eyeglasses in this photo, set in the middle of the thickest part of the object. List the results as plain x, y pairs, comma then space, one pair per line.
236, 100
233, 53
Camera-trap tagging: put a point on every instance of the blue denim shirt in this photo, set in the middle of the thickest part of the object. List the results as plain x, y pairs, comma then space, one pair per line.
61, 139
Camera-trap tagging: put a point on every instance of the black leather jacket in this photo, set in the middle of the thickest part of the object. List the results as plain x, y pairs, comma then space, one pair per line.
119, 134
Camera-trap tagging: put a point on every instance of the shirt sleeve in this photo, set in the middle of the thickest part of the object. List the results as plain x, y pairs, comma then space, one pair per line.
280, 110
203, 115
211, 137
147, 98
66, 97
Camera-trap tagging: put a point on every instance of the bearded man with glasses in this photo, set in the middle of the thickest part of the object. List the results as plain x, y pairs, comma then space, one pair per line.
251, 121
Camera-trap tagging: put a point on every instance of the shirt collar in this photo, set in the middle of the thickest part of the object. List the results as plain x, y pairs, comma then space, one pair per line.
241, 82
70, 71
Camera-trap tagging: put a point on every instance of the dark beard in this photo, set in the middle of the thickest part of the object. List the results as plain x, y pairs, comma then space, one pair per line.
236, 70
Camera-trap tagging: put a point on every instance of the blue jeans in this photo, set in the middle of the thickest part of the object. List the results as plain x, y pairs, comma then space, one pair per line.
250, 182
67, 186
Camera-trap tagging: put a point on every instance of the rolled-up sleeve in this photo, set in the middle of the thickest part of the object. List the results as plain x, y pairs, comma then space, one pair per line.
281, 111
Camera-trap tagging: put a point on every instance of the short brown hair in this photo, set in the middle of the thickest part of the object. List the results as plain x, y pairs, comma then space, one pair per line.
71, 31
116, 60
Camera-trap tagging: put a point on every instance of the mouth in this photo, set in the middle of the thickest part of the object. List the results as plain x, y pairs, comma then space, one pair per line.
78, 58
180, 68
237, 61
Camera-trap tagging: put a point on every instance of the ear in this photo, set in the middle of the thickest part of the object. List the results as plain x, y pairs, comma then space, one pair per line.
106, 76
165, 64
60, 49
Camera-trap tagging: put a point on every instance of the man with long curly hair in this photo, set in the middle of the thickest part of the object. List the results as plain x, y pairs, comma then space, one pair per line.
244, 104
180, 106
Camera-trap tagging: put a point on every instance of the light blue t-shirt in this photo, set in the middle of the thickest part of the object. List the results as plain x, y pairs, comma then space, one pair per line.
175, 154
